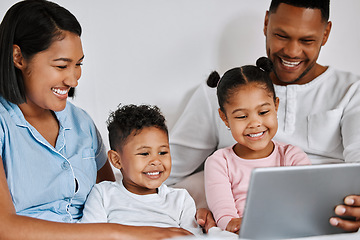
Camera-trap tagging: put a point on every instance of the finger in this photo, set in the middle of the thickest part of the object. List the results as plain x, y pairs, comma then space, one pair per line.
352, 200
210, 221
344, 210
347, 225
201, 217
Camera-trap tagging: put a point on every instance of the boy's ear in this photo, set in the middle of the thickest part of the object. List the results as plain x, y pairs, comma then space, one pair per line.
18, 58
223, 117
114, 158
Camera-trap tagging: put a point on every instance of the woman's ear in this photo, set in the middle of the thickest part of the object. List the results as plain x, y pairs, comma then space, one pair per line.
223, 117
18, 58
114, 158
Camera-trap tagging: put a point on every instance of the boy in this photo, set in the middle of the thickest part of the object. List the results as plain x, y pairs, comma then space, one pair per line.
139, 146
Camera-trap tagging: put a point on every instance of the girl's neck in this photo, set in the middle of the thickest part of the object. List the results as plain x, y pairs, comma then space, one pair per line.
247, 153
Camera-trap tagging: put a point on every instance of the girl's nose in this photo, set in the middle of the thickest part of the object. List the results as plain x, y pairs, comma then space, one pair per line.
155, 162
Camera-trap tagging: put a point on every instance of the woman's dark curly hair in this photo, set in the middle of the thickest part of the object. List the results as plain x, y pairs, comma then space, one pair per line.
130, 120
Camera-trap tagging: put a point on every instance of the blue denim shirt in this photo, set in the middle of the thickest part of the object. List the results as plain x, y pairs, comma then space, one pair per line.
46, 182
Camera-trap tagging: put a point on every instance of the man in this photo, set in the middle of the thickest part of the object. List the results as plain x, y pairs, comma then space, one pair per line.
319, 106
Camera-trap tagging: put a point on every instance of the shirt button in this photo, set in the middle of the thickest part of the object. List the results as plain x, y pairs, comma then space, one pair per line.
65, 165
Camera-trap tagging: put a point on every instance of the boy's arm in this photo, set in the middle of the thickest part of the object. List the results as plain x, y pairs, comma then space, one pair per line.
187, 220
94, 210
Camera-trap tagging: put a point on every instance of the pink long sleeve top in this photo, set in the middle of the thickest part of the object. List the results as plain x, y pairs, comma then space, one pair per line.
227, 178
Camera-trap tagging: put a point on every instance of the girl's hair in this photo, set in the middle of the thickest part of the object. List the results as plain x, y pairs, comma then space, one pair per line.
130, 119
33, 25
236, 77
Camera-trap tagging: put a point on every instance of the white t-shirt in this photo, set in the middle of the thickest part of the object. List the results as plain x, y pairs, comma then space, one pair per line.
112, 202
321, 117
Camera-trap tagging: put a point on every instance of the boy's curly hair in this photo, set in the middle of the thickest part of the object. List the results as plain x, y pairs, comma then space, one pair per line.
130, 119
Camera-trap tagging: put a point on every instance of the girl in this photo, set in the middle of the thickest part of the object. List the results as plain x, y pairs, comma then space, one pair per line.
248, 107
51, 153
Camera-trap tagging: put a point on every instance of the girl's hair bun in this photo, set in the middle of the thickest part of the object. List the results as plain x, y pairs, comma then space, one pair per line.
213, 79
265, 64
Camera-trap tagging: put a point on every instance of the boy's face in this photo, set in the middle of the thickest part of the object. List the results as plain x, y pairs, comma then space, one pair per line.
294, 37
145, 161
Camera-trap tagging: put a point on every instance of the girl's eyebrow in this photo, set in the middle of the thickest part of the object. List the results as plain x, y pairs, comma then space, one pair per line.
242, 109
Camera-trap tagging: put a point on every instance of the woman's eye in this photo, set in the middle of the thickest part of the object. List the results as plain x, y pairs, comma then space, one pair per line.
79, 64
61, 67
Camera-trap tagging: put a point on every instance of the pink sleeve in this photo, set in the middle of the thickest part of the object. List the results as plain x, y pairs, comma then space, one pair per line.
296, 156
219, 196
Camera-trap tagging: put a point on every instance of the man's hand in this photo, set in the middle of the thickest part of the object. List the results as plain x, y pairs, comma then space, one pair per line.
350, 208
205, 219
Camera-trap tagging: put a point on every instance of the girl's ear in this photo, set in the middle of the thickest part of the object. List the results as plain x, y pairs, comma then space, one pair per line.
18, 58
114, 158
223, 117
277, 101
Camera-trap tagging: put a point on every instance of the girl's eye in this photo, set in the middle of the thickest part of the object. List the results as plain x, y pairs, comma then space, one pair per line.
143, 154
241, 117
163, 153
264, 112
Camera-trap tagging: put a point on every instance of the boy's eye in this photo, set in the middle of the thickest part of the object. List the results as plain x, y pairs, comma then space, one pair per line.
241, 117
264, 112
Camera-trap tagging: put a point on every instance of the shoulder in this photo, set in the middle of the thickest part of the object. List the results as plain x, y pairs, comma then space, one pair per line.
342, 78
293, 155
222, 153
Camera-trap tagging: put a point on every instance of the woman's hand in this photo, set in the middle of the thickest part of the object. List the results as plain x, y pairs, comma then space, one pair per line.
234, 225
205, 219
351, 208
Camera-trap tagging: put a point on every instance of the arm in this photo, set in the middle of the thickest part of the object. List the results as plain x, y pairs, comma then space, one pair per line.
350, 133
36, 229
218, 191
105, 173
188, 220
193, 138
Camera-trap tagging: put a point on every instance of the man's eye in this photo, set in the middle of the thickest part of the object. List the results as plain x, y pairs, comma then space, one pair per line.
280, 36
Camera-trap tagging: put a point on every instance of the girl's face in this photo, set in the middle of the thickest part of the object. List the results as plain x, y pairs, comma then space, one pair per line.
49, 75
144, 161
251, 115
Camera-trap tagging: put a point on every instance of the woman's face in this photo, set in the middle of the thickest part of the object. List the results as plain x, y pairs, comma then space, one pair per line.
49, 75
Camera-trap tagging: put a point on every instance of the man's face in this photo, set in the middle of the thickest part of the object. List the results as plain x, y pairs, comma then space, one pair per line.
294, 37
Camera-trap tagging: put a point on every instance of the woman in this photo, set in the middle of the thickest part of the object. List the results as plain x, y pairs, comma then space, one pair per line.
51, 151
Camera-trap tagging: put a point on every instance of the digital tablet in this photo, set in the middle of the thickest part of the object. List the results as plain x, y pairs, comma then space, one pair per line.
296, 201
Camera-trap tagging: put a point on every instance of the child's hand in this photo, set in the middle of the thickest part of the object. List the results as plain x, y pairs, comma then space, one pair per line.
234, 225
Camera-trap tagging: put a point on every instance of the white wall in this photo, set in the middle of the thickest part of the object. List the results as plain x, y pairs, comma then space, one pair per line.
158, 51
